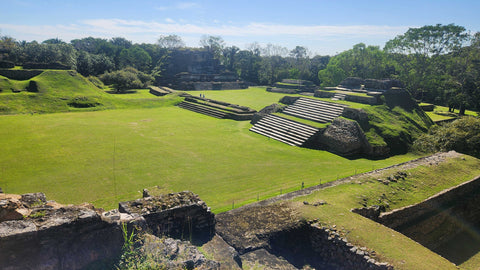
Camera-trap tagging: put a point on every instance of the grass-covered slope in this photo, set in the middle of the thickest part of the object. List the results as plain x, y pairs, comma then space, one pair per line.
64, 91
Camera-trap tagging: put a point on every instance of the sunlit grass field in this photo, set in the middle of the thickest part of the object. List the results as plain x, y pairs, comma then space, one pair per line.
108, 156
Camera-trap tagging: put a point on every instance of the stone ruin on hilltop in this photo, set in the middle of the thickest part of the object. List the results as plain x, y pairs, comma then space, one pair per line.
189, 69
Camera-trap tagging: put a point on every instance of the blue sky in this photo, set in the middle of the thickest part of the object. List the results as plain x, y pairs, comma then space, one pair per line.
324, 27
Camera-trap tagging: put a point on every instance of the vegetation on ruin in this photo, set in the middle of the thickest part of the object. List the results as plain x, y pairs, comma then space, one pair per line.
462, 135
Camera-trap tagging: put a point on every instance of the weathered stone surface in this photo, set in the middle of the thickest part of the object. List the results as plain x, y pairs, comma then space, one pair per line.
344, 137
250, 228
16, 227
265, 111
264, 259
9, 209
289, 100
372, 212
221, 252
352, 83
179, 215
31, 199
382, 84
175, 254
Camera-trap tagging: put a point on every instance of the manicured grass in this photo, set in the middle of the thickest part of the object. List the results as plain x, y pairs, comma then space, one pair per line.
257, 97
441, 113
422, 182
107, 156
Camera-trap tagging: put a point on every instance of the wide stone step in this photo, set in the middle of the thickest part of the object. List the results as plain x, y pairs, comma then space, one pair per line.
321, 104
287, 133
298, 130
276, 134
284, 130
288, 122
314, 115
309, 117
201, 109
272, 136
316, 101
313, 111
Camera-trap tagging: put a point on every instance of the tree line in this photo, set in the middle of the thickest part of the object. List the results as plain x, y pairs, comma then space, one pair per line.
436, 63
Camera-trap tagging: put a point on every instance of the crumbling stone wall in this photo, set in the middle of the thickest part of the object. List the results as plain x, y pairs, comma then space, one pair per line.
40, 234
180, 215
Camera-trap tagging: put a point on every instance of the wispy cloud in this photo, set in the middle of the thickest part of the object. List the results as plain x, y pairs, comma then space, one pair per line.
257, 29
148, 31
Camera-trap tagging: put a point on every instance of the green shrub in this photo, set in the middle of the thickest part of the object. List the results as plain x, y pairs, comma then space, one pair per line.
461, 135
127, 78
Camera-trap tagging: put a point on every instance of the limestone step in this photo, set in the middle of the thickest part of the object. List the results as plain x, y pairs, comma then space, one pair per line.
339, 96
284, 130
288, 122
272, 136
277, 135
298, 130
287, 133
321, 103
201, 109
317, 116
313, 111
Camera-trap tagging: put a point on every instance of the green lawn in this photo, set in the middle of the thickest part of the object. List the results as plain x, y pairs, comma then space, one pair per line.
106, 156
441, 113
257, 97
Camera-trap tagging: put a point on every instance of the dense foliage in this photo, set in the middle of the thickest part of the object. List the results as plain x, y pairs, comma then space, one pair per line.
462, 135
127, 78
436, 63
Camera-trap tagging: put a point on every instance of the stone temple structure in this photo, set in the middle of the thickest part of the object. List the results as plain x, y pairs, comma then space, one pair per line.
190, 69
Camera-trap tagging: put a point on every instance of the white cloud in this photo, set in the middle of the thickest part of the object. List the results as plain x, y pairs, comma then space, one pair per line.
257, 29
338, 37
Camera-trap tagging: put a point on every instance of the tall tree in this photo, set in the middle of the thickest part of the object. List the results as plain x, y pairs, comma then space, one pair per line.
422, 46
170, 42
214, 44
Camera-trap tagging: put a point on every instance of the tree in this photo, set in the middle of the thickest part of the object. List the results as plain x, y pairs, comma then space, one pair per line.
121, 42
53, 41
125, 79
418, 50
228, 57
361, 61
214, 44
247, 65
135, 57
299, 52
170, 42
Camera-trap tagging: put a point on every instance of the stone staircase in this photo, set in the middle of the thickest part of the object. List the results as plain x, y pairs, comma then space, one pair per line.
195, 107
284, 130
339, 96
315, 110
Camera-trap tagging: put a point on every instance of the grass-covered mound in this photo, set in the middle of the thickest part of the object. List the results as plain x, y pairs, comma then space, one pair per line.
54, 91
